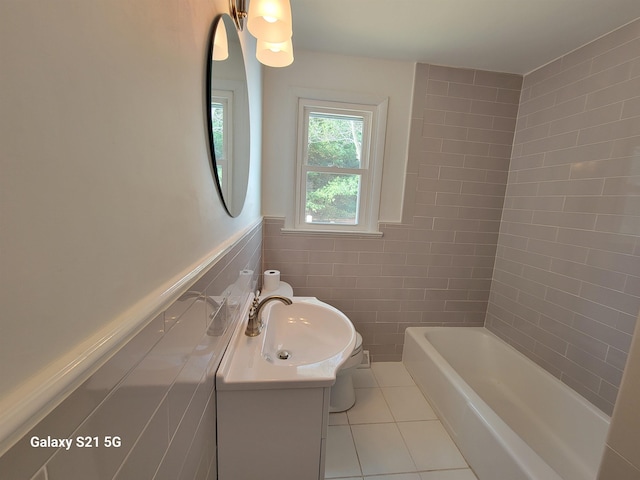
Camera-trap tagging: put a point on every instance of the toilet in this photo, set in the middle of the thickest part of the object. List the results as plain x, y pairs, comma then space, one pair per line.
343, 395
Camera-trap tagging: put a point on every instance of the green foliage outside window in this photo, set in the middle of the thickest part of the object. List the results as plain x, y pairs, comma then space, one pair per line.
333, 141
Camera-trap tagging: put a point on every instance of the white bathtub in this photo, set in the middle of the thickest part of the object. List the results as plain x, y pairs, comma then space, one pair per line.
511, 419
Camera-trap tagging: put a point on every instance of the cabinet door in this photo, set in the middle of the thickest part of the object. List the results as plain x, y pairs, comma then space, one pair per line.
270, 434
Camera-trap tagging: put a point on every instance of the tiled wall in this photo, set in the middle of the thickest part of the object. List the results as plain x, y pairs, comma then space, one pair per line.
566, 285
435, 267
156, 393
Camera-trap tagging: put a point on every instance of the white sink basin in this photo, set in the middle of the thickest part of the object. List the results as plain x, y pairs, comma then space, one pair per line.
304, 333
301, 344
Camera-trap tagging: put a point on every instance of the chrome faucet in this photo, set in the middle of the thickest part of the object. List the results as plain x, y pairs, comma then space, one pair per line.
254, 326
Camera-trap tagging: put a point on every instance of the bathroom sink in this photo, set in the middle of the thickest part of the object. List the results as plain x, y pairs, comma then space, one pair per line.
301, 344
304, 333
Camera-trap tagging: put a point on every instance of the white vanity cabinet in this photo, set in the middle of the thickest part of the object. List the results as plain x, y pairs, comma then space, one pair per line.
272, 434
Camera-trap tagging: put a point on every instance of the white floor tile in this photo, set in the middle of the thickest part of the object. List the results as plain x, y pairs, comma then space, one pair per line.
407, 404
339, 418
341, 458
364, 378
465, 474
370, 407
430, 446
391, 374
396, 476
381, 449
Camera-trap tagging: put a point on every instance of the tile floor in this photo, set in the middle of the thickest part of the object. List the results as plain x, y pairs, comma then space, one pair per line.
391, 433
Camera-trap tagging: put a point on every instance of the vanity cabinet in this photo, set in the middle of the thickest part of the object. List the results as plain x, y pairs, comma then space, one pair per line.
272, 434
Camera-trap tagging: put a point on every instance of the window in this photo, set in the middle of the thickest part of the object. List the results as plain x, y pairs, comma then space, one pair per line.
340, 148
221, 125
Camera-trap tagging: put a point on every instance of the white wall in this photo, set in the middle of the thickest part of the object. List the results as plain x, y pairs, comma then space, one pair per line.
344, 77
106, 191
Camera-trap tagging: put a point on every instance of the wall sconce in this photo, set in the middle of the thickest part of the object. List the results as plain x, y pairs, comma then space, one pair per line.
270, 22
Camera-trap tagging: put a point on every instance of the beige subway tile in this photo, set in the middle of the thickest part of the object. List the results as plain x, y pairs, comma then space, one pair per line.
490, 136
428, 171
393, 232
609, 204
429, 144
595, 82
498, 79
405, 270
551, 143
474, 92
358, 244
451, 74
542, 73
616, 56
440, 102
465, 173
493, 108
437, 87
405, 247
403, 294
590, 118
579, 154
564, 77
342, 270
444, 158
594, 186
330, 281
444, 131
614, 93
611, 298
465, 147
348, 257
480, 188
504, 123
590, 274
521, 162
384, 282
568, 220
622, 224
626, 148
433, 185
558, 111
557, 250
385, 258
495, 176
424, 282
486, 163
422, 305
619, 167
631, 108
605, 246
476, 237
508, 96
461, 119
537, 132
423, 201
489, 213
536, 104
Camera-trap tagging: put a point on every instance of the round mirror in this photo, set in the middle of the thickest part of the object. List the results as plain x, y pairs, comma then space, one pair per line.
227, 107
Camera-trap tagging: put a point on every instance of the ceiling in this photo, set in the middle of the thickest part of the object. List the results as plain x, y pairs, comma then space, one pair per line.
515, 36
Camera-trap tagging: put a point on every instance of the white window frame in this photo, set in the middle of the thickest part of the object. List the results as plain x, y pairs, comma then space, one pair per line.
373, 141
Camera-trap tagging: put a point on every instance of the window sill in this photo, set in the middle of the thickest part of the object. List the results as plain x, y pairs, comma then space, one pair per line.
339, 233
